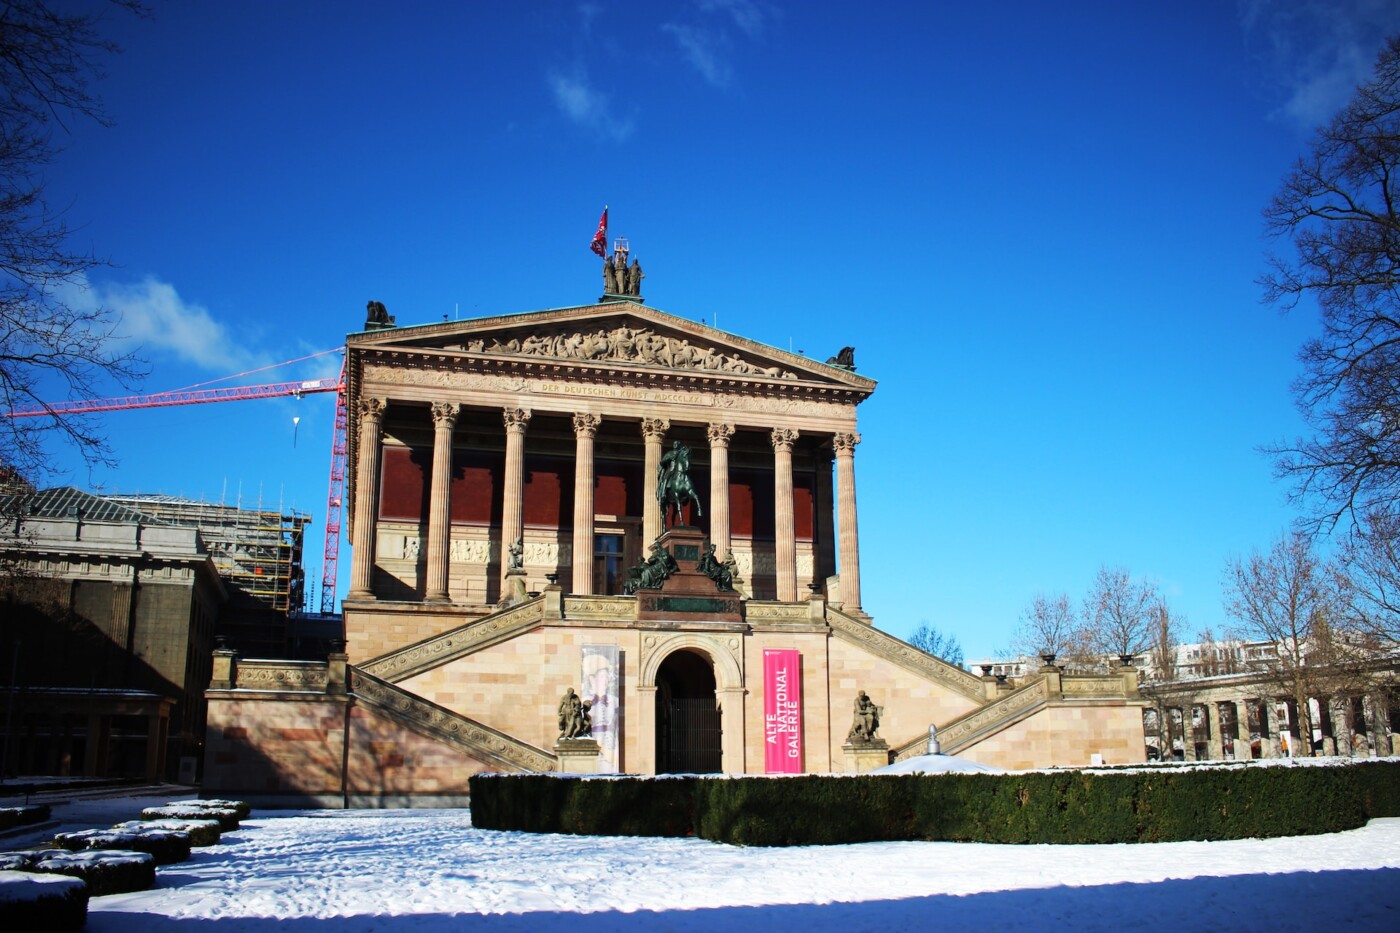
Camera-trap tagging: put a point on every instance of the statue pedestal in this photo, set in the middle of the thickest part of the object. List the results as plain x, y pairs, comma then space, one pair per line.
866, 756
688, 593
577, 756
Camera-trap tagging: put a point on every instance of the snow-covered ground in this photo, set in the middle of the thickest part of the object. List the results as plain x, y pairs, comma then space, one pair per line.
429, 870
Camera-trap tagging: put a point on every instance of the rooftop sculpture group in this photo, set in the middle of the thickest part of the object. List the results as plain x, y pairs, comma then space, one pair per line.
620, 278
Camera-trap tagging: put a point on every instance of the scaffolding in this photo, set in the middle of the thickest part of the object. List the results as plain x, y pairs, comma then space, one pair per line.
257, 552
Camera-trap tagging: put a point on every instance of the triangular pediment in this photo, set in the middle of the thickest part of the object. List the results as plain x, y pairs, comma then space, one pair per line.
615, 335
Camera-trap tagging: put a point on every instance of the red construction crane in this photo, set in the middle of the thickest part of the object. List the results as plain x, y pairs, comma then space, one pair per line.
331, 554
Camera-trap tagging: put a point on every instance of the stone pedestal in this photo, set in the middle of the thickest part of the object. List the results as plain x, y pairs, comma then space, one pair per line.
688, 593
866, 756
577, 756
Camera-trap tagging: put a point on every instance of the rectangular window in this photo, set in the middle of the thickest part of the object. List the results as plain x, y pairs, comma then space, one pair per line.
609, 572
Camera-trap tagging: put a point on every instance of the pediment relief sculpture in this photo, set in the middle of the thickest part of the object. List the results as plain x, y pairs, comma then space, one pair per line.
624, 344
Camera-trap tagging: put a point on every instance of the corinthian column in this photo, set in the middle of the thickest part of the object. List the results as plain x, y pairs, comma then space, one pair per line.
440, 502
585, 427
719, 435
653, 434
512, 507
784, 531
849, 546
366, 497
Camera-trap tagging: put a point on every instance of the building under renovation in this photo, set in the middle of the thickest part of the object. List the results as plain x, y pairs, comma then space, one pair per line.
258, 555
112, 606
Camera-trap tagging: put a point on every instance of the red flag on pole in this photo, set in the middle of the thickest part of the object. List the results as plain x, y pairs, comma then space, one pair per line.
600, 239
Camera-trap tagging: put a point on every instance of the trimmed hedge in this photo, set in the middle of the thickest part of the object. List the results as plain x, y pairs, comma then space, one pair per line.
42, 902
227, 818
105, 871
201, 832
12, 817
241, 807
166, 846
1060, 807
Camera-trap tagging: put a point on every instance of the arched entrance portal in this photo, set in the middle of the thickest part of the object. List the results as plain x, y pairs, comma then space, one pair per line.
687, 716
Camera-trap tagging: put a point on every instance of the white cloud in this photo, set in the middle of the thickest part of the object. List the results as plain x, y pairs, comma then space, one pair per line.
705, 49
1316, 52
747, 15
585, 105
153, 315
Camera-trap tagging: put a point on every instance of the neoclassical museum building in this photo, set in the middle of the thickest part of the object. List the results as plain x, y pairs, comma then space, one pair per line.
517, 535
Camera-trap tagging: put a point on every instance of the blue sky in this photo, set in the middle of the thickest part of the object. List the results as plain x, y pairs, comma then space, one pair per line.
1039, 225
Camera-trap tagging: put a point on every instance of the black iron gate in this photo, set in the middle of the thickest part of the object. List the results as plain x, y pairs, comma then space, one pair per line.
692, 737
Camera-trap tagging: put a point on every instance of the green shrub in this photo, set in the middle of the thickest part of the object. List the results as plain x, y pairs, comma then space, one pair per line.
241, 807
1055, 807
201, 832
105, 871
166, 846
228, 819
541, 803
41, 902
1379, 783
12, 817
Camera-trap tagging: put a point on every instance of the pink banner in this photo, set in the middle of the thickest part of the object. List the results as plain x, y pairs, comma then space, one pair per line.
782, 711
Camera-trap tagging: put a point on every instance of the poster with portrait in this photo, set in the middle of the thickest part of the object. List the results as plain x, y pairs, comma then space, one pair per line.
600, 688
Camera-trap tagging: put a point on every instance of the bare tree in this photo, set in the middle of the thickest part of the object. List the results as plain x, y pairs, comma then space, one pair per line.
1337, 207
1118, 613
1049, 626
1289, 597
50, 345
937, 643
1165, 641
1217, 655
1370, 562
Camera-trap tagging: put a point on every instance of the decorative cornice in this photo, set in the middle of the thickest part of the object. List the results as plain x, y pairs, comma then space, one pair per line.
1107, 685
442, 724
776, 612
600, 607
434, 652
906, 656
281, 675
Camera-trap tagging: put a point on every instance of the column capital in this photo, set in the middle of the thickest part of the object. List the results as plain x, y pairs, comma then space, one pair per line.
372, 408
845, 440
655, 428
586, 424
445, 413
516, 419
783, 439
719, 433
